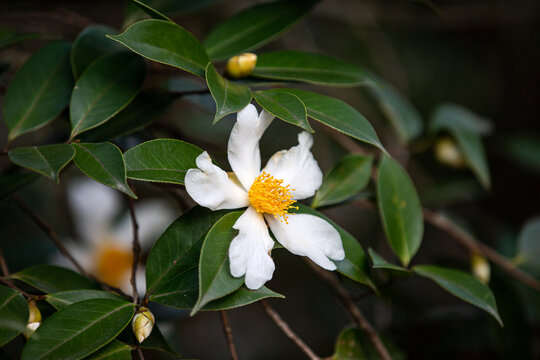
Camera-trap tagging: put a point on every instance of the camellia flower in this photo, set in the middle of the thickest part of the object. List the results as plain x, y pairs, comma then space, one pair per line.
269, 195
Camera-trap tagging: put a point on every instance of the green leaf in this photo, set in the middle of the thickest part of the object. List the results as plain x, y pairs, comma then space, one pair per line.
528, 246
161, 160
105, 88
172, 7
215, 279
51, 279
523, 149
284, 105
78, 330
338, 115
241, 297
400, 209
346, 179
115, 350
63, 299
104, 163
310, 68
8, 38
10, 183
449, 115
156, 341
47, 160
229, 97
254, 27
91, 44
151, 11
464, 286
40, 90
380, 263
13, 314
354, 344
166, 43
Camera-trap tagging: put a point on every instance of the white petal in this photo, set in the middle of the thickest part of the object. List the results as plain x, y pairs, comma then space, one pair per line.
211, 187
248, 253
243, 149
311, 236
297, 168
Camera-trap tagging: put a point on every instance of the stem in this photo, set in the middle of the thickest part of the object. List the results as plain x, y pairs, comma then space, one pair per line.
3, 264
139, 352
136, 250
228, 334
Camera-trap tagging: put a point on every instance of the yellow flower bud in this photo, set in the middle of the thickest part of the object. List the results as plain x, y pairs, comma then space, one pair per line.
447, 153
241, 65
480, 268
142, 324
34, 320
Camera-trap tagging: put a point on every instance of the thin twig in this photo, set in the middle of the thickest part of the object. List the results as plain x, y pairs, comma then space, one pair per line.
288, 331
136, 250
228, 334
139, 352
11, 285
3, 264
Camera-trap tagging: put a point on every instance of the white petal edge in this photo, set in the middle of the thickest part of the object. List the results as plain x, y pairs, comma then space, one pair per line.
297, 167
249, 250
243, 148
311, 236
211, 187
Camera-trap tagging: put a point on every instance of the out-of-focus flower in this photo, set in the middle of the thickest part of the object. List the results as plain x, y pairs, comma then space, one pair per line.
241, 65
480, 268
448, 153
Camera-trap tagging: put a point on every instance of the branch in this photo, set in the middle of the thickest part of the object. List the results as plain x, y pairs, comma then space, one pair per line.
288, 331
136, 250
3, 264
228, 334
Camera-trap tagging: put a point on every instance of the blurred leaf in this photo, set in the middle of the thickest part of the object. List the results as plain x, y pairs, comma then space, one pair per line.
241, 297
310, 68
150, 10
338, 115
400, 209
47, 160
528, 246
354, 344
39, 91
449, 115
105, 88
12, 182
13, 314
347, 178
161, 160
78, 330
523, 150
8, 38
166, 43
172, 7
51, 279
284, 105
156, 341
63, 299
380, 263
115, 350
104, 163
254, 27
229, 97
462, 285
450, 191
183, 84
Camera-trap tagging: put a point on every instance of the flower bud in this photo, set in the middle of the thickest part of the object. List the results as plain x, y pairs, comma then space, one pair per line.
480, 268
447, 153
34, 320
142, 324
241, 65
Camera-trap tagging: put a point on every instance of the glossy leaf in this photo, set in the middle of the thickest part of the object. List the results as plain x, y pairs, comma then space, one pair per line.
39, 91
10, 183
346, 179
105, 88
380, 263
104, 163
13, 314
285, 106
528, 246
400, 210
115, 350
215, 279
166, 43
464, 286
156, 341
241, 297
78, 330
229, 97
63, 299
161, 160
51, 279
310, 68
47, 160
254, 27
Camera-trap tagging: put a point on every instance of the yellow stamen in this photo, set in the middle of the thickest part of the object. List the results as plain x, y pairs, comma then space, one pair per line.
268, 195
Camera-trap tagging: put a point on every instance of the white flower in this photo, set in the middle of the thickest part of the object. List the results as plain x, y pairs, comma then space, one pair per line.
290, 175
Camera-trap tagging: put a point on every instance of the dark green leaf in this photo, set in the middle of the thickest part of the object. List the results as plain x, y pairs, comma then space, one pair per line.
13, 314
380, 263
241, 297
462, 285
354, 344
8, 38
156, 341
105, 88
63, 299
150, 10
40, 90
523, 149
78, 330
47, 160
115, 350
172, 7
528, 246
166, 43
161, 160
51, 279
12, 182
284, 105
400, 209
104, 163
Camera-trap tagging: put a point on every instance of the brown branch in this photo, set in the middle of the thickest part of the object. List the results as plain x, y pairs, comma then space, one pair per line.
11, 285
288, 331
139, 352
3, 264
228, 334
136, 250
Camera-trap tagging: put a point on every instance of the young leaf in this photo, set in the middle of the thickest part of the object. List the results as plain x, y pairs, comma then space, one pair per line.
115, 350
12, 182
284, 105
161, 160
47, 160
241, 297
380, 263
51, 279
166, 43
400, 209
346, 179
215, 279
63, 299
254, 27
40, 90
105, 88
229, 97
78, 330
13, 314
310, 68
104, 163
464, 286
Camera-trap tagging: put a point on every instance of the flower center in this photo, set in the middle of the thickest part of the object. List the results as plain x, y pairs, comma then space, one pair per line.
112, 263
268, 195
